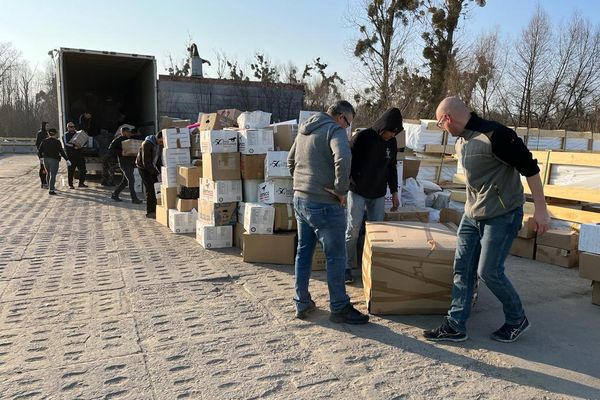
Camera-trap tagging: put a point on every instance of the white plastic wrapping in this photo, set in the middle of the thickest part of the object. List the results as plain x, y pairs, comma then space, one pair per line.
428, 173
413, 194
576, 176
544, 143
417, 136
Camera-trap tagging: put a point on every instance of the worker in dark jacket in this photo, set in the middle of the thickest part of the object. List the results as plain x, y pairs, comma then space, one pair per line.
126, 163
373, 169
147, 163
50, 151
41, 135
76, 157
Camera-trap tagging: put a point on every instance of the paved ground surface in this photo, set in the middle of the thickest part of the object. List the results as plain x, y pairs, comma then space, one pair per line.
96, 302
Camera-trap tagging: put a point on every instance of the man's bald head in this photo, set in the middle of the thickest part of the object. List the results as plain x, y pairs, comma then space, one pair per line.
453, 115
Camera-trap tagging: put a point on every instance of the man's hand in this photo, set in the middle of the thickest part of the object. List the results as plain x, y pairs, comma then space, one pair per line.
77, 147
340, 197
542, 220
395, 202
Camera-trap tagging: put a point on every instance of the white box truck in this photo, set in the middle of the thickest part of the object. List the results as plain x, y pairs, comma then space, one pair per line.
115, 88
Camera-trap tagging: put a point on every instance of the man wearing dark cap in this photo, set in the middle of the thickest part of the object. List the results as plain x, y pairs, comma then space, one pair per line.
373, 170
126, 163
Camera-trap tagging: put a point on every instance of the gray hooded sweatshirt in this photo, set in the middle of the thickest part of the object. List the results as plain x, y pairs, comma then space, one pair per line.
320, 159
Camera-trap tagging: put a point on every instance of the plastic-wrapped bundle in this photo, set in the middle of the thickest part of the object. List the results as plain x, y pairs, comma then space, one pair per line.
413, 194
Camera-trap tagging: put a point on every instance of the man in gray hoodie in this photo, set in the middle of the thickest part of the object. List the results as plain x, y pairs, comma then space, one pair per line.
319, 162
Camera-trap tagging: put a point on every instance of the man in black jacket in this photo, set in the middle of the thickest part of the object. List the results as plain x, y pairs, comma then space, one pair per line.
76, 157
50, 151
41, 135
126, 163
373, 170
147, 163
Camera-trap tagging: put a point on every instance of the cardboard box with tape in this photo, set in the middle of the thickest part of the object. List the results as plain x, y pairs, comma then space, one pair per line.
279, 248
258, 218
253, 166
220, 191
276, 165
189, 176
173, 157
256, 141
168, 196
186, 205
285, 219
589, 266
221, 166
162, 215
214, 237
219, 141
174, 138
284, 136
213, 122
182, 222
524, 248
276, 191
407, 267
217, 214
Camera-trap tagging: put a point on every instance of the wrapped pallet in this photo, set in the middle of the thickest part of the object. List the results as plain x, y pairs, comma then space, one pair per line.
407, 267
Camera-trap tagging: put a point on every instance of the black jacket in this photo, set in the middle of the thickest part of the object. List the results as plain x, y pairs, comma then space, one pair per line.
51, 148
116, 146
148, 156
374, 159
39, 138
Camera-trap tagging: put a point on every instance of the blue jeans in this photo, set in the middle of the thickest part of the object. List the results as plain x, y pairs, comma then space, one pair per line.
481, 249
357, 205
51, 165
325, 223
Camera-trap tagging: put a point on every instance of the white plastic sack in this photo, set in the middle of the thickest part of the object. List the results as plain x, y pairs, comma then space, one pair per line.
413, 194
430, 187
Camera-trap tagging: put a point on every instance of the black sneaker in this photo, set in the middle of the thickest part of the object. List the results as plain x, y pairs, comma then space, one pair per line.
52, 193
349, 315
445, 333
83, 185
71, 187
115, 198
509, 333
136, 201
348, 278
151, 215
304, 313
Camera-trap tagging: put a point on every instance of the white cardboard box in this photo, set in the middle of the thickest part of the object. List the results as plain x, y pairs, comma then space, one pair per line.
589, 238
174, 138
304, 115
276, 165
175, 157
168, 176
250, 190
214, 237
241, 210
256, 141
220, 191
258, 218
225, 141
254, 119
276, 191
182, 222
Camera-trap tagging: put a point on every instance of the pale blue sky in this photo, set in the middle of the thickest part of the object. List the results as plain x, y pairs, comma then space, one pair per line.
285, 30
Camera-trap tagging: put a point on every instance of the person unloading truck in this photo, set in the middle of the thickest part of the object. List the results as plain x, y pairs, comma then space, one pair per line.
494, 158
126, 163
147, 162
39, 138
75, 155
50, 151
374, 154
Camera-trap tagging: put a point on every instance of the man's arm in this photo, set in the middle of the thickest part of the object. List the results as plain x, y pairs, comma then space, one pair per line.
540, 215
342, 161
393, 176
291, 160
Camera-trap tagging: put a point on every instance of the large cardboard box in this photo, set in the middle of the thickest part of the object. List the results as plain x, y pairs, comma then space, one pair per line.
80, 139
527, 231
168, 176
410, 168
182, 222
131, 147
523, 248
596, 293
284, 136
162, 215
231, 114
276, 165
174, 138
187, 205
175, 157
556, 256
221, 166
218, 141
254, 120
285, 219
408, 214
450, 215
220, 191
238, 236
276, 191
258, 218
407, 267
253, 166
256, 141
279, 248
561, 239
589, 238
188, 176
217, 214
214, 237
168, 196
213, 122
589, 266
168, 122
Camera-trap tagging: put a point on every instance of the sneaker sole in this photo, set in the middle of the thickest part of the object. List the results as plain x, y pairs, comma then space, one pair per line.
497, 339
343, 321
455, 340
304, 313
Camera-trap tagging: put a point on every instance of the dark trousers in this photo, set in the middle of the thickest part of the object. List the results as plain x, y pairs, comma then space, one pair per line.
149, 180
109, 165
43, 179
77, 162
127, 165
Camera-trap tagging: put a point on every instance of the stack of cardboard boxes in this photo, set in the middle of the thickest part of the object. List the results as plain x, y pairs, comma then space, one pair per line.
220, 185
558, 247
589, 257
524, 244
